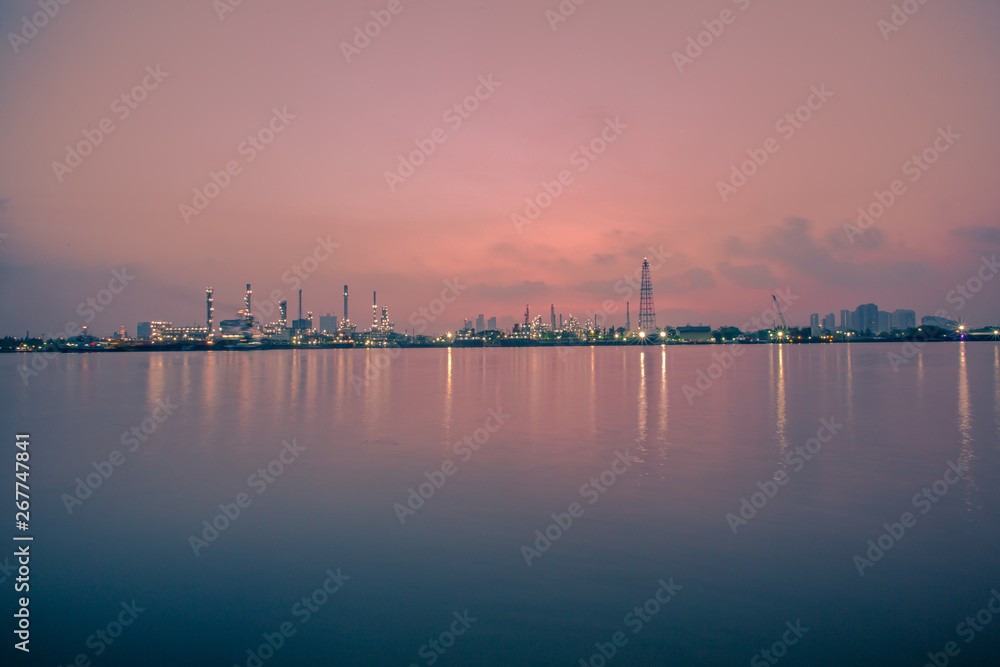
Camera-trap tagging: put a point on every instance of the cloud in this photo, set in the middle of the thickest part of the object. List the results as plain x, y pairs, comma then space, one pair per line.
690, 280
792, 246
606, 258
983, 234
748, 275
521, 289
871, 239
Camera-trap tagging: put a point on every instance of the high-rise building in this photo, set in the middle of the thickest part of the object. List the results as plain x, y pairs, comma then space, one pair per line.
846, 320
830, 322
553, 315
491, 324
814, 325
883, 321
647, 313
866, 318
480, 323
903, 319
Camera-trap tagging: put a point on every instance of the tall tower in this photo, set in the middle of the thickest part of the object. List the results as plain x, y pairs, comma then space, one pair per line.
628, 318
246, 302
300, 304
374, 311
209, 309
552, 314
345, 306
283, 313
647, 313
526, 315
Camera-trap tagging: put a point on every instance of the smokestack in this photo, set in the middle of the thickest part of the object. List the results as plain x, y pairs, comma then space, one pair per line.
553, 314
209, 309
628, 318
345, 305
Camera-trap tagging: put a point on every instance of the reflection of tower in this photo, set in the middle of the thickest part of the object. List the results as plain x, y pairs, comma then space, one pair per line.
647, 314
283, 310
246, 303
345, 305
552, 313
628, 318
209, 309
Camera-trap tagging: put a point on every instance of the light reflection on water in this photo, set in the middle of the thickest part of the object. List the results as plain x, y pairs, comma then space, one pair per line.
571, 411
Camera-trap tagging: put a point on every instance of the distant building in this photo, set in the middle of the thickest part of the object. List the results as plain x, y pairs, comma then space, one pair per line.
491, 324
846, 320
830, 322
814, 325
903, 319
884, 322
695, 333
480, 323
328, 323
866, 318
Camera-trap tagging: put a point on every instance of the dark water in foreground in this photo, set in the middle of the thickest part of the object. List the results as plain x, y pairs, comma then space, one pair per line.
354, 452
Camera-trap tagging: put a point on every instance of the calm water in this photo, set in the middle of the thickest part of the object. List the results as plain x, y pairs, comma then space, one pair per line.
361, 447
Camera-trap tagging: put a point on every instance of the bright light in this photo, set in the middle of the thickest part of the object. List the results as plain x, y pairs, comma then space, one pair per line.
449, 334
663, 334
961, 327
642, 334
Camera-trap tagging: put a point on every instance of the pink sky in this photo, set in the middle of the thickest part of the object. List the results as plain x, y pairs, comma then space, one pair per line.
655, 185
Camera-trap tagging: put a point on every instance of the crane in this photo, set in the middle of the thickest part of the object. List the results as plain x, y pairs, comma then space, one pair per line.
784, 325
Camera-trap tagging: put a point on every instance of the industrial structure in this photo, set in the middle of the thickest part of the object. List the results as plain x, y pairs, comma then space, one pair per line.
647, 313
